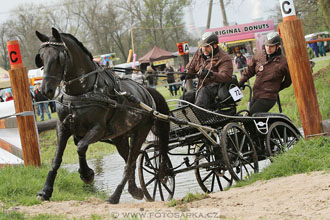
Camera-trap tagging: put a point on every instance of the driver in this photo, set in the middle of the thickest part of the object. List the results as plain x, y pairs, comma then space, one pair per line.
212, 66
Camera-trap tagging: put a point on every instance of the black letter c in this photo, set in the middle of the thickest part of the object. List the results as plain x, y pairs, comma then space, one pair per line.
11, 57
283, 7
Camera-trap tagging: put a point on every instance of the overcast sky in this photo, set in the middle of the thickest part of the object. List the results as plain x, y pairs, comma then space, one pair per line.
241, 11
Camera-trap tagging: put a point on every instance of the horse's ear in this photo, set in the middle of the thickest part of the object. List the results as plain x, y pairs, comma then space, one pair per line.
42, 37
56, 34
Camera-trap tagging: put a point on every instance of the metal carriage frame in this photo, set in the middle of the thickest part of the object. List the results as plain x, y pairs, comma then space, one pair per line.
225, 148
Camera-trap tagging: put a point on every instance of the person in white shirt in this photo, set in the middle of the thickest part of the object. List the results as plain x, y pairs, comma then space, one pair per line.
137, 76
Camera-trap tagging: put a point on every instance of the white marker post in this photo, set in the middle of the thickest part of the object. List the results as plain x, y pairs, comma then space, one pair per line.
296, 52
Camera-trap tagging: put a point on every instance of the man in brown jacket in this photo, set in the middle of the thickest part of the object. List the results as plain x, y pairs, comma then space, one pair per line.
212, 66
272, 74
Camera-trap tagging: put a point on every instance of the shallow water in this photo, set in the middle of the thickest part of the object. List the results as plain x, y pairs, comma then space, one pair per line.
109, 170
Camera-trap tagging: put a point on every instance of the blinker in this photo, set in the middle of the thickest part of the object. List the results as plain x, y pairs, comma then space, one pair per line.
38, 61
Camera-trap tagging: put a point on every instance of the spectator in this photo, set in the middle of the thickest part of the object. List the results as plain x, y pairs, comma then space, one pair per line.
9, 96
170, 79
42, 105
150, 76
137, 76
240, 61
320, 45
315, 47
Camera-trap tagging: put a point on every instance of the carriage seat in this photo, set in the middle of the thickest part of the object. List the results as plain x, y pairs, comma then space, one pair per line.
224, 102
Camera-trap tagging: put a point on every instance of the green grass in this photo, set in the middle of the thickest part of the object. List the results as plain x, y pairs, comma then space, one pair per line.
12, 215
190, 197
19, 186
48, 142
306, 156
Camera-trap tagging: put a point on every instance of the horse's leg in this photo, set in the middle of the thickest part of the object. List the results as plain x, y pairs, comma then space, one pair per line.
93, 135
121, 143
137, 139
122, 146
63, 135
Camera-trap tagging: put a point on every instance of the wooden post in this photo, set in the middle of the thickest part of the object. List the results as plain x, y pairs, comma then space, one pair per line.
23, 103
295, 49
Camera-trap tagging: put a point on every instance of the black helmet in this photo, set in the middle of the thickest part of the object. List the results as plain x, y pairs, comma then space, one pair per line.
272, 39
208, 38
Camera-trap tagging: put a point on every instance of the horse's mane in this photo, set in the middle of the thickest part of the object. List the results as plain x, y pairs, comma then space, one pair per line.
79, 44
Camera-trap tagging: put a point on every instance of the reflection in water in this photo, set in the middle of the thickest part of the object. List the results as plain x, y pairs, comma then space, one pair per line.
109, 171
98, 163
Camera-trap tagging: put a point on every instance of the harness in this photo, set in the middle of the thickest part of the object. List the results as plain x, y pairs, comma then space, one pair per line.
101, 95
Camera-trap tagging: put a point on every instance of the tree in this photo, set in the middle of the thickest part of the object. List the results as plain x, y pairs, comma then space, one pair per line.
103, 26
325, 7
4, 61
309, 11
223, 12
156, 22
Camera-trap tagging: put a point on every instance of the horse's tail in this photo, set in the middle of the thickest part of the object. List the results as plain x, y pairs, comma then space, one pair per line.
162, 127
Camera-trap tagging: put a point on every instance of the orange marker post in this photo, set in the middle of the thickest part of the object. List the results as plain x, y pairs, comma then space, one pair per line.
295, 49
23, 104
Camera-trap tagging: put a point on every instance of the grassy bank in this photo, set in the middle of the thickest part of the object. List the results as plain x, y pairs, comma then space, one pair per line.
19, 186
306, 156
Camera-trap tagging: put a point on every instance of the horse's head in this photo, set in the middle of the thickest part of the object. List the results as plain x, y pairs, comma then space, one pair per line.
54, 57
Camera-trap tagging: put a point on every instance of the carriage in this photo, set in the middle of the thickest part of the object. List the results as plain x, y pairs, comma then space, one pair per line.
93, 105
220, 148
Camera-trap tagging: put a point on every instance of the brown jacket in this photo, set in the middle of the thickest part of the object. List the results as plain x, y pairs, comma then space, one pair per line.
222, 67
271, 76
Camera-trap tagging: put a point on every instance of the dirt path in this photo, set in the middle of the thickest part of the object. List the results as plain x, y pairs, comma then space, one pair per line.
303, 196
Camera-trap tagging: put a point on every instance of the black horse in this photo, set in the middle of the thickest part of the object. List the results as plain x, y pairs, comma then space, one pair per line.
94, 105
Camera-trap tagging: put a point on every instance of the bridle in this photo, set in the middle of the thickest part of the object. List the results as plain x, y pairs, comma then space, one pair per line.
63, 57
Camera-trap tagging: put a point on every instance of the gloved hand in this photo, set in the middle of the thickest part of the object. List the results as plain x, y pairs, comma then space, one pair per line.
241, 85
205, 73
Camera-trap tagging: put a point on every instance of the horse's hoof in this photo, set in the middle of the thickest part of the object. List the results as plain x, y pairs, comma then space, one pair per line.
137, 193
42, 196
87, 177
113, 200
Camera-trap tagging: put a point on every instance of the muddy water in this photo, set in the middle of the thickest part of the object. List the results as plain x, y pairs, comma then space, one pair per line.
109, 170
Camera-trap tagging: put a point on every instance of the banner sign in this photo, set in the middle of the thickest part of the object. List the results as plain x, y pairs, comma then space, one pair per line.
241, 32
160, 62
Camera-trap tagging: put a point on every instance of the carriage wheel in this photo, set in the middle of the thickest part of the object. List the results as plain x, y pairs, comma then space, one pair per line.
212, 178
153, 186
280, 138
238, 152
